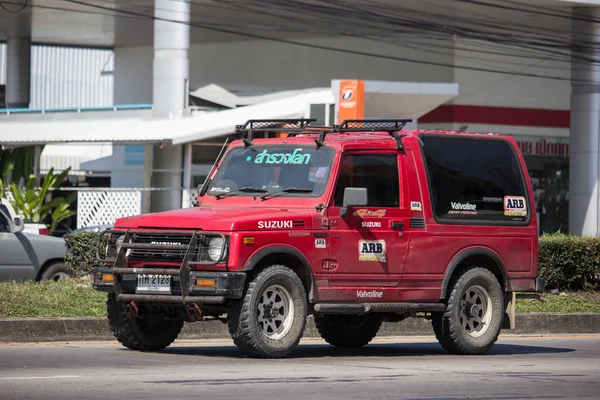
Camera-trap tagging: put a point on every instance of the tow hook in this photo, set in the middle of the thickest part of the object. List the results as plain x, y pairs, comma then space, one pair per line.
131, 309
194, 312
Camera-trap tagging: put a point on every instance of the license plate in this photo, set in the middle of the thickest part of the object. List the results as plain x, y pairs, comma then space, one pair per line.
158, 284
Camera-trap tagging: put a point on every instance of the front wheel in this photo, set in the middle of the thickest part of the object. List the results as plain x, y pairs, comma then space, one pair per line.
472, 321
269, 320
150, 333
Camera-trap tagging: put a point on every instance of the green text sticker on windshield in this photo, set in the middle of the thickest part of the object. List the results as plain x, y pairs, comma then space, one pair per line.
281, 158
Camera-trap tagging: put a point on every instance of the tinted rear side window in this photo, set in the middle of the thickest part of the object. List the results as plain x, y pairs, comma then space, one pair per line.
475, 180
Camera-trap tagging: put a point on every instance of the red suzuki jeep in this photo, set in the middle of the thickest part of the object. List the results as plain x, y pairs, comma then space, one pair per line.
355, 224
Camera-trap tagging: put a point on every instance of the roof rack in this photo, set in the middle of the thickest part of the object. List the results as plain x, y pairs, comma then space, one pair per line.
294, 127
364, 125
272, 125
391, 126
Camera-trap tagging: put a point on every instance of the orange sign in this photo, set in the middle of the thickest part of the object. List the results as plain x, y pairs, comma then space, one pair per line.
351, 100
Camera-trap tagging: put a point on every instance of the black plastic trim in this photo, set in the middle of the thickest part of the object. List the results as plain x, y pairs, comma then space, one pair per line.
267, 251
478, 251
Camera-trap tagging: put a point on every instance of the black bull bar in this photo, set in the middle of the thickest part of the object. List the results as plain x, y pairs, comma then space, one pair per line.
228, 284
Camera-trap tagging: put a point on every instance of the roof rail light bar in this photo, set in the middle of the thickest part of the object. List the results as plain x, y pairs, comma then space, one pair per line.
271, 125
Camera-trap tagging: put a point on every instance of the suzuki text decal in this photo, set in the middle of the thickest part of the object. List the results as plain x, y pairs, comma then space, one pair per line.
274, 224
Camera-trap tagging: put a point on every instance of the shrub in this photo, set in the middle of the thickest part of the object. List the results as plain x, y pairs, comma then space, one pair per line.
570, 262
81, 252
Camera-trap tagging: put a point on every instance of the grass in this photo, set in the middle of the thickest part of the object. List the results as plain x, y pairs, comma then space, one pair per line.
569, 302
66, 298
77, 298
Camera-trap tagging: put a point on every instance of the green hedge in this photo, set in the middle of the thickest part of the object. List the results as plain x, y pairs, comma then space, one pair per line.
566, 262
570, 262
81, 252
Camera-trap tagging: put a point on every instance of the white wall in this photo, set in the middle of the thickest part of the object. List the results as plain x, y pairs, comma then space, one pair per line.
133, 75
493, 89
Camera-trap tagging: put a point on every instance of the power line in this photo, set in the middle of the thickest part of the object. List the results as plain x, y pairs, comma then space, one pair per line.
327, 48
315, 46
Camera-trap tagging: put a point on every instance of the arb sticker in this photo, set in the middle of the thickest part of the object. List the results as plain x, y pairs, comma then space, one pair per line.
320, 244
415, 206
371, 250
515, 206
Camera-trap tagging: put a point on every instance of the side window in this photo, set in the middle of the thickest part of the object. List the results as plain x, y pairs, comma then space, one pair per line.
474, 179
376, 172
4, 223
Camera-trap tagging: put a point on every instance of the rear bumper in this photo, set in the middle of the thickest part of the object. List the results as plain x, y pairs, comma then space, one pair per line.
184, 290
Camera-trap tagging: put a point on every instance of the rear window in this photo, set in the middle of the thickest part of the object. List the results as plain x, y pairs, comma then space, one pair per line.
475, 180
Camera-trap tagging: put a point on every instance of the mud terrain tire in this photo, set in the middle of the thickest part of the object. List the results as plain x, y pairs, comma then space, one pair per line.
472, 321
269, 321
348, 330
135, 333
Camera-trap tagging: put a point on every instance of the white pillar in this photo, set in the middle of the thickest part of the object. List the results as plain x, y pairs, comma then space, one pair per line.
170, 95
171, 63
585, 125
18, 71
187, 175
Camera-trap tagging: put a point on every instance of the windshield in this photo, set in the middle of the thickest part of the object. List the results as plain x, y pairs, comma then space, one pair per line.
303, 171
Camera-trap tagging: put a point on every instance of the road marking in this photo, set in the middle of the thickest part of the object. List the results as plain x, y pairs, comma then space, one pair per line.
17, 378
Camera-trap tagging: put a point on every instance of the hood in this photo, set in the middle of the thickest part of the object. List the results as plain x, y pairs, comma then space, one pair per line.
211, 218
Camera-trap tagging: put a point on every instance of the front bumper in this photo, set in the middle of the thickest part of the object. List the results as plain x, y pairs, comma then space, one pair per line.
228, 285
178, 285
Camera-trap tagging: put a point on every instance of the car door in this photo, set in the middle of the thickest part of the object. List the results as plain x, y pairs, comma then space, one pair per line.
369, 243
15, 263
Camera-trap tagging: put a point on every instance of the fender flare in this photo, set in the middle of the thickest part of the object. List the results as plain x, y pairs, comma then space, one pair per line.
464, 254
266, 251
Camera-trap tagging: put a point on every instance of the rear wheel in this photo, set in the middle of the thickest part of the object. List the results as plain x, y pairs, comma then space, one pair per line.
150, 333
348, 330
472, 321
269, 320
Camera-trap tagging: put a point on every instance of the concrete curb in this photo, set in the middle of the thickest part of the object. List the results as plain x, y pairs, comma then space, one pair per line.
85, 329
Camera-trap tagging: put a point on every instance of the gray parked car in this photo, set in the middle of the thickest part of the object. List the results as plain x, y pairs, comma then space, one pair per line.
26, 256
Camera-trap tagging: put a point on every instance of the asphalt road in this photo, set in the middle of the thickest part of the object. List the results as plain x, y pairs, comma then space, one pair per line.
408, 368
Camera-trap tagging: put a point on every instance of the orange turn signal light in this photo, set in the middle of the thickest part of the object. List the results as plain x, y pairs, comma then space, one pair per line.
205, 282
249, 241
108, 278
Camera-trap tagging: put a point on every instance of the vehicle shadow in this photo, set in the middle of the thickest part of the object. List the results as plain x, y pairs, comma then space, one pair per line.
377, 350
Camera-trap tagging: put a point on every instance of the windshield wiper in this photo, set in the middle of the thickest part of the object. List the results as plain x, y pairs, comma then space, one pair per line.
286, 190
246, 189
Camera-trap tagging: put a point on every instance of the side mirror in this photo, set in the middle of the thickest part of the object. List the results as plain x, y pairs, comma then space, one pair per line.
18, 225
353, 196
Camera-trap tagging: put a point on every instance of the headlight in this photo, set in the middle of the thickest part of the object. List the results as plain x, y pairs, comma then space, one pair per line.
119, 243
215, 248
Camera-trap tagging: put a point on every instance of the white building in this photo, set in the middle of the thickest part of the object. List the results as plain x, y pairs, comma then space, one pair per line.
524, 68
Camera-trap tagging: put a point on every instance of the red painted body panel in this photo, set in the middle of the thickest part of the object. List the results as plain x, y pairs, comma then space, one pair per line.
417, 259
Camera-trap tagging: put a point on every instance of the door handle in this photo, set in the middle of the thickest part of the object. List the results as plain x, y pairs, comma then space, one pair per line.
398, 225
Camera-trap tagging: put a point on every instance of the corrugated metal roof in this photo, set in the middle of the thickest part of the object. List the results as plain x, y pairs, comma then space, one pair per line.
67, 76
178, 131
